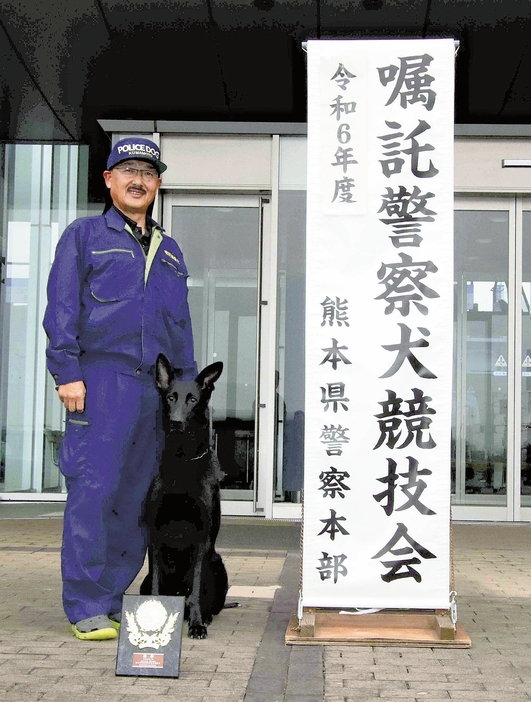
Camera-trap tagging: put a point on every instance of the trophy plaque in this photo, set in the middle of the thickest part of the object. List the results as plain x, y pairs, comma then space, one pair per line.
149, 641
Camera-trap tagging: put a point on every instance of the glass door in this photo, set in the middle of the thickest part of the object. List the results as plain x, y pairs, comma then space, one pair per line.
483, 457
221, 240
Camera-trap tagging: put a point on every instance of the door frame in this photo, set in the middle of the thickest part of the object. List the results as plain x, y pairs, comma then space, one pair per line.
261, 504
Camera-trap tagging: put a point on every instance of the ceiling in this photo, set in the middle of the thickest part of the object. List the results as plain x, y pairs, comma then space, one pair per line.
64, 65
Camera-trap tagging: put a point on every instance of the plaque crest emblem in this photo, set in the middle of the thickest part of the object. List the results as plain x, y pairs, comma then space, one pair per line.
150, 626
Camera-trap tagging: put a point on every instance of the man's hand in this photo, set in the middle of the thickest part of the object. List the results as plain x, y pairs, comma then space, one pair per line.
72, 395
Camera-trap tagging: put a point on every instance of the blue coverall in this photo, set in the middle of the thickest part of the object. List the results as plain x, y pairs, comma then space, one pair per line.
111, 310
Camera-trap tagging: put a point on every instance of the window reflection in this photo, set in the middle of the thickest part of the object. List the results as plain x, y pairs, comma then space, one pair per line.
221, 246
525, 479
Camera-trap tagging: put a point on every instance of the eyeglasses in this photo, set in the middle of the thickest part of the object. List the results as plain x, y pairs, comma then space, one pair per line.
133, 172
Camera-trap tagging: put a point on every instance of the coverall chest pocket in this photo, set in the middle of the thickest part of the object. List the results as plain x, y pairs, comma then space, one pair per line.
171, 282
114, 275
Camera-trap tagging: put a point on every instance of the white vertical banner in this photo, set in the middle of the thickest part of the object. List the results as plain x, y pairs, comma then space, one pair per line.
379, 324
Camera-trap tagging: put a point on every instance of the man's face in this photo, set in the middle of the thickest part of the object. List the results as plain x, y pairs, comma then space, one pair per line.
133, 192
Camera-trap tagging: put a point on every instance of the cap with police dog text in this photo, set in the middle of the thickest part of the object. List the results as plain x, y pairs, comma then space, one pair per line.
137, 148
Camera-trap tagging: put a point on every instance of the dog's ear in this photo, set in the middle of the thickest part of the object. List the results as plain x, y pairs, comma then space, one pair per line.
164, 372
209, 375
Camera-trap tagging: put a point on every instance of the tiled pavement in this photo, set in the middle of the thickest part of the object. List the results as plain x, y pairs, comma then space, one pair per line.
244, 657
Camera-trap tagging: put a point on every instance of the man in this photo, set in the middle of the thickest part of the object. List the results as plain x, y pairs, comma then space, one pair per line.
117, 297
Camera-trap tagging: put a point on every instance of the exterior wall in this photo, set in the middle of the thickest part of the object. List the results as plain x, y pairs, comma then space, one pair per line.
208, 161
479, 164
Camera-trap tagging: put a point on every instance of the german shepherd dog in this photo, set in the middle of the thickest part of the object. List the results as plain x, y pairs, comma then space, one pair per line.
183, 511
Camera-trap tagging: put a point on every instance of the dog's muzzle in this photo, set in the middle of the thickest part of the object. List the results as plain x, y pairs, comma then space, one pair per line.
177, 427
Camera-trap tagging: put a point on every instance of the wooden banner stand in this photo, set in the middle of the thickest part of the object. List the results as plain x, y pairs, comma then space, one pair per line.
388, 627
413, 628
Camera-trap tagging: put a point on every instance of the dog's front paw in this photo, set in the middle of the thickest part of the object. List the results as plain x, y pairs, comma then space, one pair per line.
197, 631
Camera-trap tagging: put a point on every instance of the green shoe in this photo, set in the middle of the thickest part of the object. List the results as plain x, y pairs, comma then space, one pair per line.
97, 628
116, 619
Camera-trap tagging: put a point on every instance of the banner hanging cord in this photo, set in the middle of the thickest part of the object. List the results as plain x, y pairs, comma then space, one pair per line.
453, 593
301, 540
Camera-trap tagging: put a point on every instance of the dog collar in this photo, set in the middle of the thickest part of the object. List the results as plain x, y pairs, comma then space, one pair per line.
201, 456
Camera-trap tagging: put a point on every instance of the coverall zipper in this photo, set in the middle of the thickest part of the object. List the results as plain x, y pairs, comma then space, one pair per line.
145, 283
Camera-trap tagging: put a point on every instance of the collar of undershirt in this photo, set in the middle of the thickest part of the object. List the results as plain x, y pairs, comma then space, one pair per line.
135, 228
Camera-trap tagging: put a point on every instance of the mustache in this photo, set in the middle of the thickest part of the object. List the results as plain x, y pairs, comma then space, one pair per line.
139, 188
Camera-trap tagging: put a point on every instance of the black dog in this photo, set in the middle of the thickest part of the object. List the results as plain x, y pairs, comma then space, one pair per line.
183, 506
